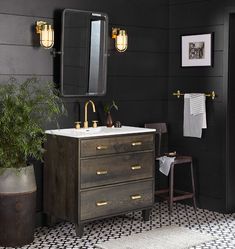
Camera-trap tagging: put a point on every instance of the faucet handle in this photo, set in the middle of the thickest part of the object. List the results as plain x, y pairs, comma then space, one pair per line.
94, 123
78, 125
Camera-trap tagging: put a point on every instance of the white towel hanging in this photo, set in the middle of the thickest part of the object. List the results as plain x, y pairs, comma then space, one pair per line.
194, 114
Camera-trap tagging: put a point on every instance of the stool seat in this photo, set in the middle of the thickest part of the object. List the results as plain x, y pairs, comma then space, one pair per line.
183, 159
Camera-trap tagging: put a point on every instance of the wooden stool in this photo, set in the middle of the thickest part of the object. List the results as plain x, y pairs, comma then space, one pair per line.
179, 160
161, 149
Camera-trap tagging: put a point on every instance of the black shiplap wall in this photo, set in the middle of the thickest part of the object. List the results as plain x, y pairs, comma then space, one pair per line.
195, 17
137, 79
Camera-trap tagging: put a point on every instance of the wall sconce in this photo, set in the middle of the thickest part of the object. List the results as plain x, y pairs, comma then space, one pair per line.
121, 39
46, 33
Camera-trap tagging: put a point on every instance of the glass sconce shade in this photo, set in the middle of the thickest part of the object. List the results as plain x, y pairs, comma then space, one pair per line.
121, 42
46, 33
121, 39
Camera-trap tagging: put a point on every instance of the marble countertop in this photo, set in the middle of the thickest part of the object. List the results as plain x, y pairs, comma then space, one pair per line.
99, 131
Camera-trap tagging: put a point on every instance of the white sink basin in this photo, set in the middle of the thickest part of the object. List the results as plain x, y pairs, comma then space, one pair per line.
99, 131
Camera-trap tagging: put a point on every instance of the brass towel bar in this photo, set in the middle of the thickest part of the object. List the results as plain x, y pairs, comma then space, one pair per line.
212, 95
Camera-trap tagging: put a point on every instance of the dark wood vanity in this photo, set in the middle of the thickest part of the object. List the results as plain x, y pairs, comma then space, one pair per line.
96, 177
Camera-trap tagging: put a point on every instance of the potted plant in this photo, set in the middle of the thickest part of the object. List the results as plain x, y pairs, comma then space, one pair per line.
107, 110
24, 109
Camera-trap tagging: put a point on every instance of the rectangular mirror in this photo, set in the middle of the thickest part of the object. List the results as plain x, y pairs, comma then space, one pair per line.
84, 53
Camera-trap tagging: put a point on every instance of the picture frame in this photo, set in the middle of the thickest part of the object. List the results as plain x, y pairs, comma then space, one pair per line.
196, 50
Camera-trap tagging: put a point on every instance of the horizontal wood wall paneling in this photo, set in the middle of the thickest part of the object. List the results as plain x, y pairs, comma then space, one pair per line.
196, 14
137, 64
20, 78
212, 203
137, 113
210, 177
229, 3
175, 36
68, 120
175, 68
138, 13
173, 2
23, 35
147, 39
128, 88
43, 8
210, 173
25, 60
194, 146
205, 169
132, 12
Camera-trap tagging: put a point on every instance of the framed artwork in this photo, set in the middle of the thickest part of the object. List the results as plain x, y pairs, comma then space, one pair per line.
196, 50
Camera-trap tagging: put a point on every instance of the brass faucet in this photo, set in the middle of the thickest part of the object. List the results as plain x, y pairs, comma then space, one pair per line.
93, 107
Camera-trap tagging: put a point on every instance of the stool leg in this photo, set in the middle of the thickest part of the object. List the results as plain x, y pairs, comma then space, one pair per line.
171, 190
193, 188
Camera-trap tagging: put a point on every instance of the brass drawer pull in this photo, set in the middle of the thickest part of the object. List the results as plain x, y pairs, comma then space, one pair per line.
104, 172
136, 143
102, 147
136, 197
101, 203
135, 167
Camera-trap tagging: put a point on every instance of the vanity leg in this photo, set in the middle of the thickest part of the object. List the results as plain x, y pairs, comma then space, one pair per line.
146, 214
79, 228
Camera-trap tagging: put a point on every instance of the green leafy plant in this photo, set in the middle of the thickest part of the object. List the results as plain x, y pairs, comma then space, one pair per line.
24, 109
109, 107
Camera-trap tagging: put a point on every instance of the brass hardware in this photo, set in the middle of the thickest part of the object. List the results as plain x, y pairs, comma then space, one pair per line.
115, 32
102, 147
93, 107
46, 33
136, 143
101, 203
135, 167
78, 125
94, 123
211, 95
136, 197
178, 94
104, 172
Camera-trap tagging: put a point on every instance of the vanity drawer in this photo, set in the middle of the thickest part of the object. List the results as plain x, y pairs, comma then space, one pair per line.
116, 144
116, 199
115, 169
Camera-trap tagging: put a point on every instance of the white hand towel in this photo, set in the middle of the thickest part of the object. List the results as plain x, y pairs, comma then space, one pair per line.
165, 164
198, 106
194, 115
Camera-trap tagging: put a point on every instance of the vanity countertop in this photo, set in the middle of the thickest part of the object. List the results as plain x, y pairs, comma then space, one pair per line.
99, 131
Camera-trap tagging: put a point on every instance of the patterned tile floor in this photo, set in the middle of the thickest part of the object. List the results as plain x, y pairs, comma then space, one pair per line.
221, 226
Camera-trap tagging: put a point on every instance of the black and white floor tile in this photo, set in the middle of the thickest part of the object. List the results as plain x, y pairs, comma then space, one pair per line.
221, 226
